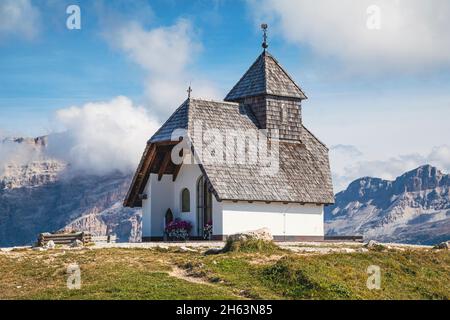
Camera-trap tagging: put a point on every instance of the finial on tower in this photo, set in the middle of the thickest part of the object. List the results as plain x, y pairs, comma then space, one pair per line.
189, 90
264, 28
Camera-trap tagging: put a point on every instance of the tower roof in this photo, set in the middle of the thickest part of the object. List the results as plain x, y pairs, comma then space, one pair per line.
265, 76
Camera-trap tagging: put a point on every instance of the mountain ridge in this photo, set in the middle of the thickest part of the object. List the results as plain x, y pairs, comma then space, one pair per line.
390, 210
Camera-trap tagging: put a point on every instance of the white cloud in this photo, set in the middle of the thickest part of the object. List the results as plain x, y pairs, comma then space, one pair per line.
440, 156
348, 164
18, 154
346, 150
167, 54
100, 137
18, 17
413, 33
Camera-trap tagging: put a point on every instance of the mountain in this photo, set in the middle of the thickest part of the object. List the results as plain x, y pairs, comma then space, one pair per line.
414, 208
44, 195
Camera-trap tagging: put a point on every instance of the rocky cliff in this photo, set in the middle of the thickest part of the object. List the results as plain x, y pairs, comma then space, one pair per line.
414, 208
44, 195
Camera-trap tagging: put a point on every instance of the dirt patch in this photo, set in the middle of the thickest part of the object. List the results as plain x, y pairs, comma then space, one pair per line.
179, 273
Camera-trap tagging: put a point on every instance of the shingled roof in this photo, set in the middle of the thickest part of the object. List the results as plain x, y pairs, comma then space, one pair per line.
265, 76
304, 171
302, 174
178, 120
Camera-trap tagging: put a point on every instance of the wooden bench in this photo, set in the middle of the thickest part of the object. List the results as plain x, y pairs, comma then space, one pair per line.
64, 238
344, 238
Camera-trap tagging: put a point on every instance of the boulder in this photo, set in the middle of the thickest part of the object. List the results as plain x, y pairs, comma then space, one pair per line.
263, 234
186, 249
372, 244
443, 245
77, 244
50, 245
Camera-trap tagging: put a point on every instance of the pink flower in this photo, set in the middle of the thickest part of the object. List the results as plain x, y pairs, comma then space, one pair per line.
178, 224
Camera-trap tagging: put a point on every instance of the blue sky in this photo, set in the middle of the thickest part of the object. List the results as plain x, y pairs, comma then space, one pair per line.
376, 97
62, 67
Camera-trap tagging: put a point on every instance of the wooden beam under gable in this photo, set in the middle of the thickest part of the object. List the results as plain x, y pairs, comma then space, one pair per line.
164, 165
139, 177
175, 172
167, 143
146, 168
177, 167
149, 159
144, 174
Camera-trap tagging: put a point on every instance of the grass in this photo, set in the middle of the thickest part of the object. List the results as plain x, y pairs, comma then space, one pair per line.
249, 246
241, 273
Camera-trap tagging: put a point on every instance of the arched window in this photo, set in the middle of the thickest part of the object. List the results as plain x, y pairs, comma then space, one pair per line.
185, 200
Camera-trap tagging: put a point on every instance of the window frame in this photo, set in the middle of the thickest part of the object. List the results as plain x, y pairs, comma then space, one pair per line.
188, 200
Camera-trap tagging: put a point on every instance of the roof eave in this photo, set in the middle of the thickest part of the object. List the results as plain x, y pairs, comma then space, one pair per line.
326, 203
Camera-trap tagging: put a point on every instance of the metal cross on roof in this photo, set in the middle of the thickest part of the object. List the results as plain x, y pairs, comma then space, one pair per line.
264, 28
189, 90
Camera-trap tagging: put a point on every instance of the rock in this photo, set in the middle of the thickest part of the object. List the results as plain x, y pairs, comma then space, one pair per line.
263, 234
259, 240
374, 245
50, 245
162, 247
186, 249
39, 249
19, 248
371, 244
213, 251
443, 245
77, 244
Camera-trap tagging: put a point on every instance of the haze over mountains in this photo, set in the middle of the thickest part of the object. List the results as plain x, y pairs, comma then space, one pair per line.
414, 208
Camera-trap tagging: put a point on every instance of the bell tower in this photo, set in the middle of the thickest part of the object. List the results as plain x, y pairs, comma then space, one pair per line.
272, 95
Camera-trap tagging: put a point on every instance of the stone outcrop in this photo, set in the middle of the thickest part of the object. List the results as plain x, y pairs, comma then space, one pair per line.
263, 234
443, 245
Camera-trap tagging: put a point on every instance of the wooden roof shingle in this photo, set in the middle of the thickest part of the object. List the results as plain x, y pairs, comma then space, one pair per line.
265, 76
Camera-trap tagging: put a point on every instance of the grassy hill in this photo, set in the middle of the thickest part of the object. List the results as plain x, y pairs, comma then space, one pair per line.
276, 274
